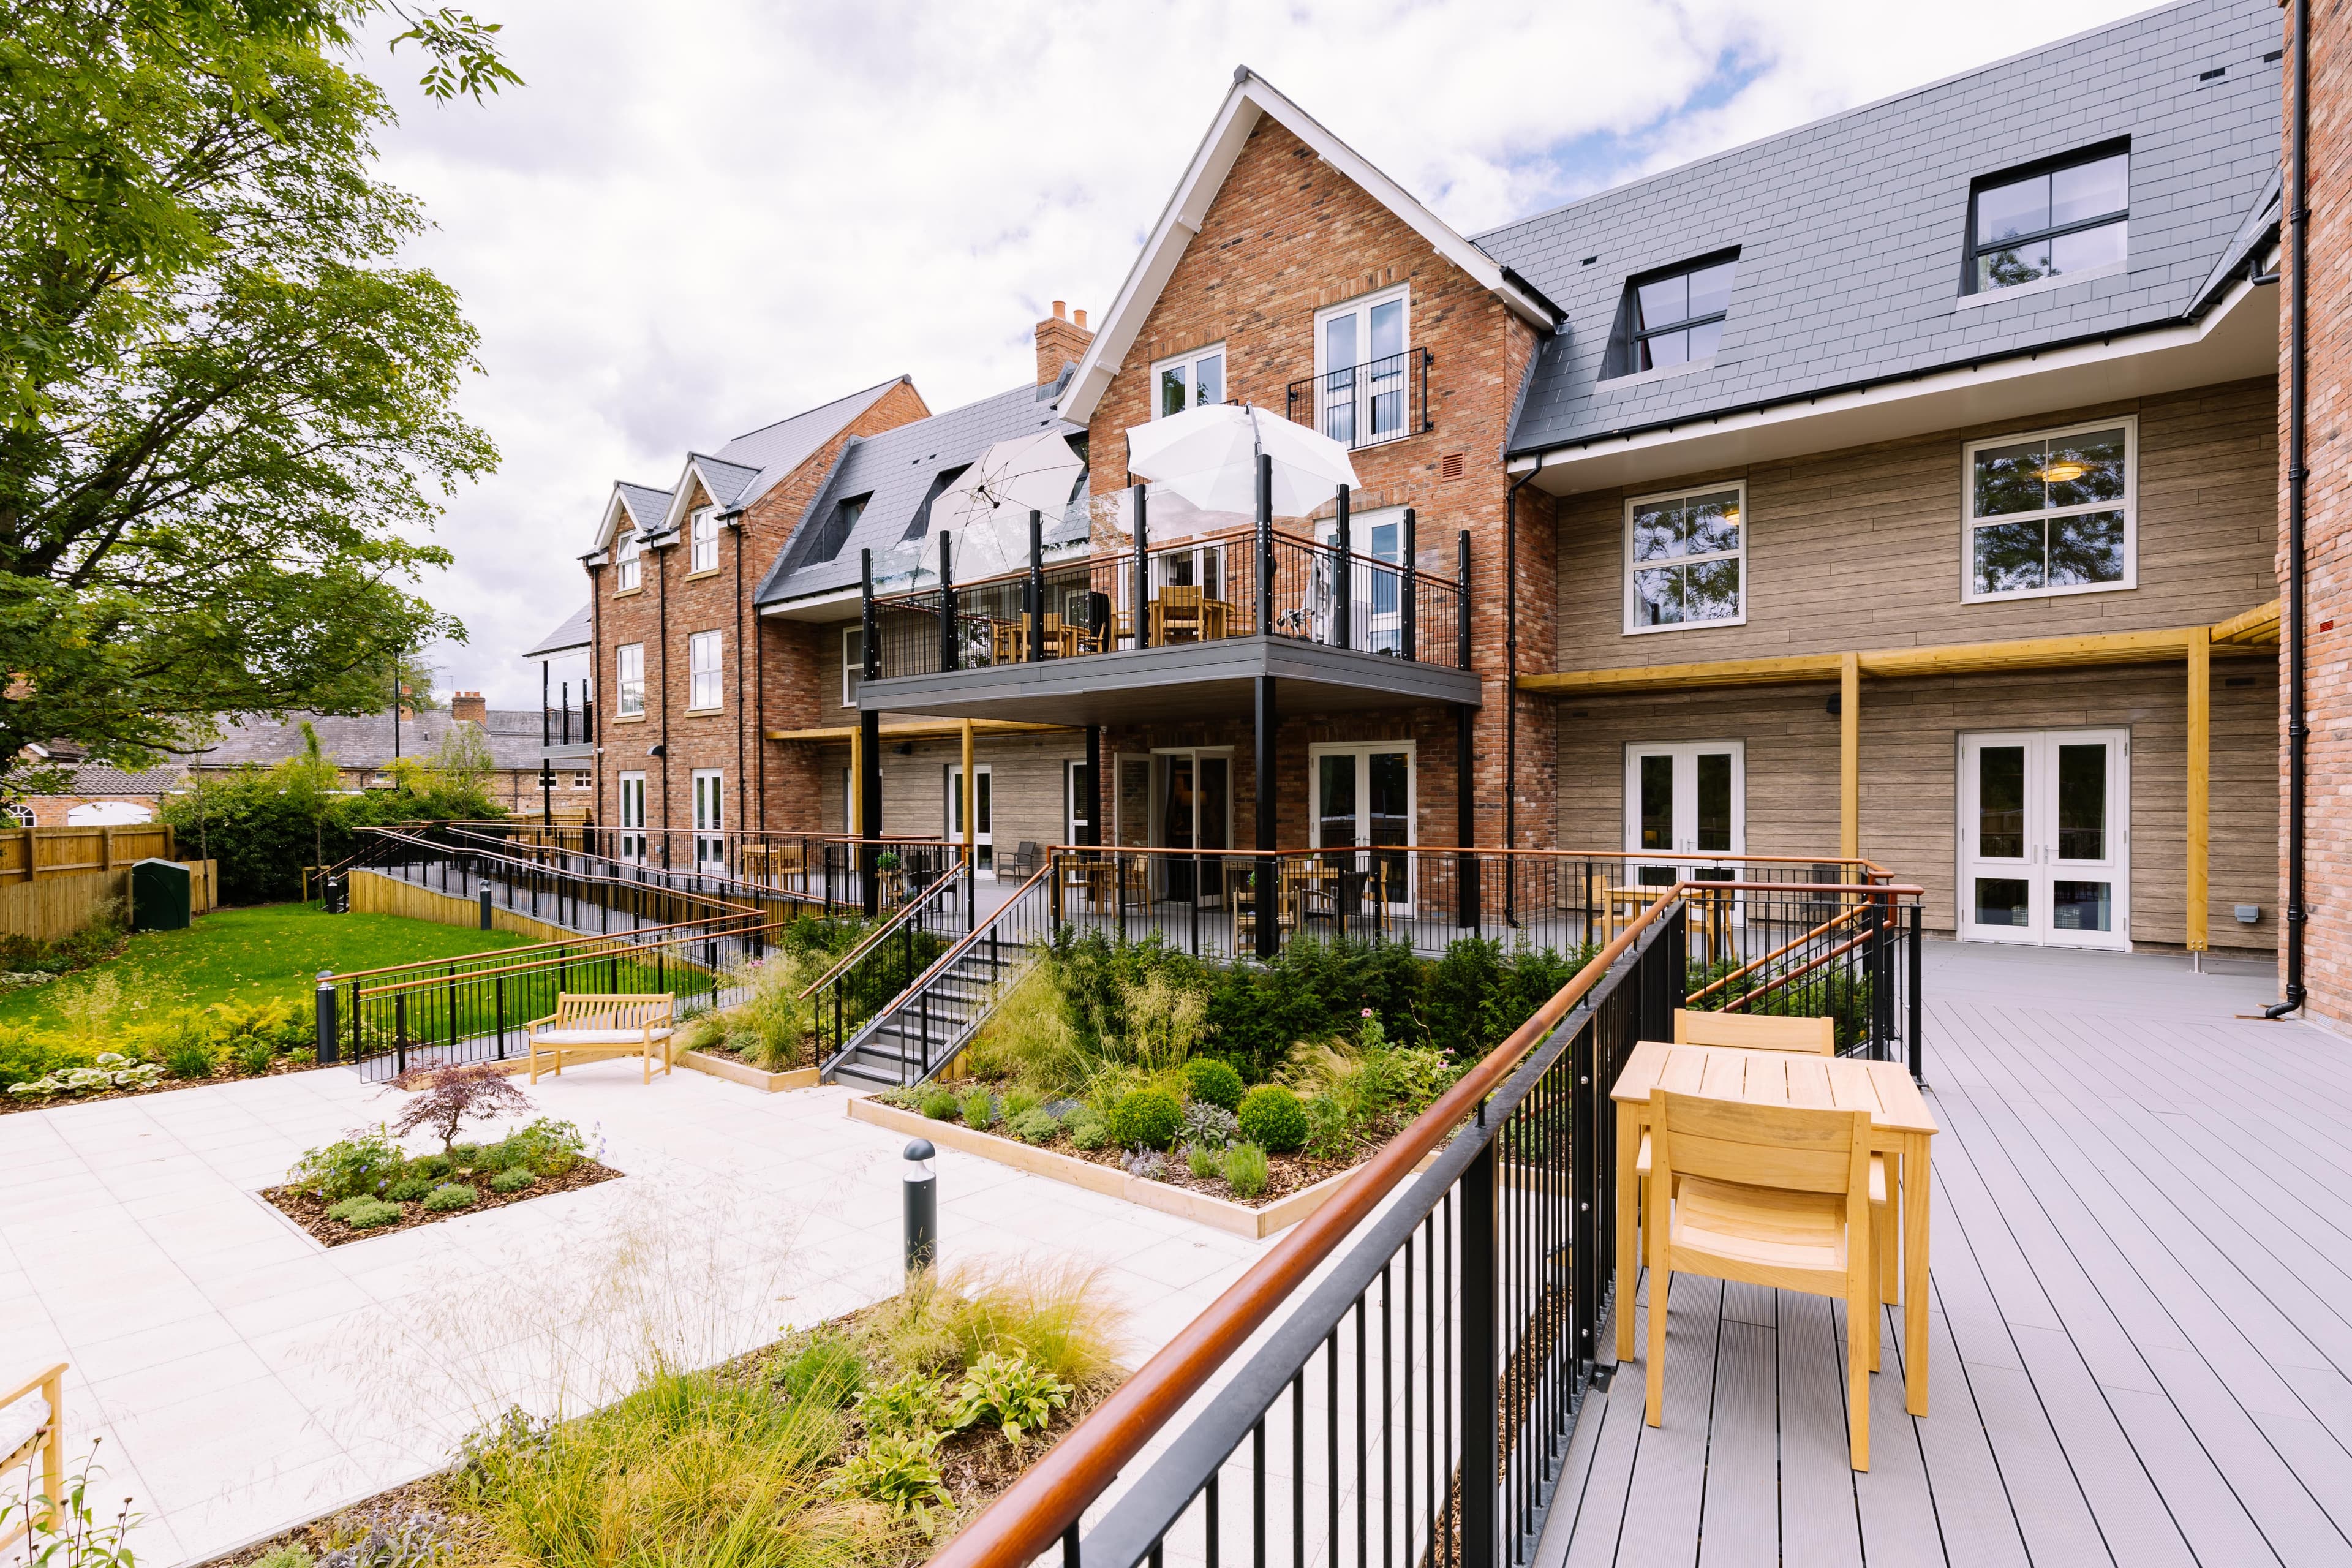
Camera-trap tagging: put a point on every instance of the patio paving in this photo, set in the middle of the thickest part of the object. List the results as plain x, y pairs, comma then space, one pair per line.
244, 1378
2141, 1331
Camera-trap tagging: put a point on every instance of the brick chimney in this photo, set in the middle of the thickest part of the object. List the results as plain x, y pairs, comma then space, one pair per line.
1060, 342
469, 705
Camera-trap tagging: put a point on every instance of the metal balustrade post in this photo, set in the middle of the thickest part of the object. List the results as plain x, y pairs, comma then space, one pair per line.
1411, 609
948, 650
1141, 589
1036, 587
1462, 602
1916, 1046
1342, 613
1477, 1390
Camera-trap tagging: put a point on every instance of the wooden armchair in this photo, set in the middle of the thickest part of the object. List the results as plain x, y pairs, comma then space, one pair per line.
592, 1025
32, 1431
1176, 612
1766, 1195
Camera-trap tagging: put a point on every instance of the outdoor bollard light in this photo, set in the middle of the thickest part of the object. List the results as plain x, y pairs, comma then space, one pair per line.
486, 906
328, 1034
922, 1206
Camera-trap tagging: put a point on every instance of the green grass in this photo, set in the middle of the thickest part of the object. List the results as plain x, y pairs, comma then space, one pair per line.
254, 954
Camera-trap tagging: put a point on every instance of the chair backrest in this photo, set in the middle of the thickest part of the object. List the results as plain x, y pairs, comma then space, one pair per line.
1180, 596
613, 1011
1756, 1032
1775, 1146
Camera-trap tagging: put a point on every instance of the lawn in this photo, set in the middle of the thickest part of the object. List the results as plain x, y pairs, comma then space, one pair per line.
254, 954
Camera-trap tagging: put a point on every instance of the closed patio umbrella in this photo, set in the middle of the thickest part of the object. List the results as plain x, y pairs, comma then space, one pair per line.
1209, 457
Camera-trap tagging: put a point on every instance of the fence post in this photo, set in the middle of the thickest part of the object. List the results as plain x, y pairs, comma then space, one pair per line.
328, 1035
1477, 1389
501, 1006
1911, 1024
400, 1032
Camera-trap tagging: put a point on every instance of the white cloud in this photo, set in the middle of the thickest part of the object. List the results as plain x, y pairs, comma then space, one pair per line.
699, 218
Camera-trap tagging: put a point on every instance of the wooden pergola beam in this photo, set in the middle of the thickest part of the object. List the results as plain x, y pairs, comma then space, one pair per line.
933, 730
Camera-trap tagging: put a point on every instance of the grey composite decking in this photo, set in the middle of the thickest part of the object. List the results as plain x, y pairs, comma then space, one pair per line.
2141, 1328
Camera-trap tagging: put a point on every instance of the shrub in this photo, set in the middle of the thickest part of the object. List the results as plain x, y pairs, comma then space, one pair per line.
1014, 1102
408, 1189
274, 1025
1312, 990
501, 1155
431, 1167
463, 1155
450, 1095
827, 1371
545, 1147
1058, 1316
940, 1105
915, 1403
1204, 1162
264, 827
978, 1110
361, 1164
24, 1057
1147, 1164
1036, 1125
109, 1071
449, 1197
1245, 1170
1213, 1080
1209, 1127
365, 1212
189, 1059
1010, 1392
293, 1554
1272, 1118
254, 1056
1088, 1128
1028, 1034
900, 1470
1146, 1119
514, 1179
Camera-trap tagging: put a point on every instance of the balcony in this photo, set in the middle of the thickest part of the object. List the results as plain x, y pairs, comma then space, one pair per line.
567, 730
1177, 630
1367, 405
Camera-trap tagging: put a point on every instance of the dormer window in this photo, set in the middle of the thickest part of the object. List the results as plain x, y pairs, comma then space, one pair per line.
921, 522
1191, 380
838, 525
703, 530
2068, 215
626, 574
1671, 318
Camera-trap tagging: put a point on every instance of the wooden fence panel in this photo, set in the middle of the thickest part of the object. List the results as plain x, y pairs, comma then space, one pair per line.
33, 854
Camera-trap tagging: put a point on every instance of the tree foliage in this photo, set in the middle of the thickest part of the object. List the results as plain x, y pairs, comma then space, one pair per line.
227, 414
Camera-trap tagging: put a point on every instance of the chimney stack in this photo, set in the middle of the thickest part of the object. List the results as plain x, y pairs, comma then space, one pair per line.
1060, 342
469, 705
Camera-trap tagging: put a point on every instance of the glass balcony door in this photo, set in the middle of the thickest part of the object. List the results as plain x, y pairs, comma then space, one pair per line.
1361, 386
2045, 837
1363, 804
709, 820
1195, 812
983, 841
1685, 802
632, 845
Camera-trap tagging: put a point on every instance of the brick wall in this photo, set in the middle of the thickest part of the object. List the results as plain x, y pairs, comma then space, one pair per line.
1287, 236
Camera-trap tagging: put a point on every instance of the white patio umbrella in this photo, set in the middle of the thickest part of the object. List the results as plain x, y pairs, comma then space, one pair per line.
988, 508
1209, 457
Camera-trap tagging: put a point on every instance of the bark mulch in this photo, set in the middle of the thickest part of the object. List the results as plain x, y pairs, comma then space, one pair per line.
311, 1213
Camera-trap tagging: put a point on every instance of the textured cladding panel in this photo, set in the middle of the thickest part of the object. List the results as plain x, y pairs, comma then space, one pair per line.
1812, 212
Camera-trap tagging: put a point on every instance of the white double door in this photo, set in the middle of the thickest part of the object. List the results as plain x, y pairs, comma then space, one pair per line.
632, 817
984, 836
2045, 837
1685, 801
709, 820
1364, 812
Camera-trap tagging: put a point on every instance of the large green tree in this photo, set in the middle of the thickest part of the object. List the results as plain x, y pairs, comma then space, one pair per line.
228, 415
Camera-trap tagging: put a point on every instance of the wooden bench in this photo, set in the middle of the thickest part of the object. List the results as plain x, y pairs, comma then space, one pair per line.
587, 1024
32, 1427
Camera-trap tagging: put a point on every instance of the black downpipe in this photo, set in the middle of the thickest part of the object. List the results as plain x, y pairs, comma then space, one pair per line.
2298, 728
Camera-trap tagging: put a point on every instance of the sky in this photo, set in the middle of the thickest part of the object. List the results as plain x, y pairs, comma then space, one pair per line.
700, 217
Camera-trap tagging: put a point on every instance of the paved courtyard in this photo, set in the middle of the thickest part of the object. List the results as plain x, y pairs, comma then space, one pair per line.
244, 1378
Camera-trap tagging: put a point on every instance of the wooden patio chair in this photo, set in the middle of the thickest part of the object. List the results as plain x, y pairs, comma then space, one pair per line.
1176, 612
1800, 1036
596, 1025
32, 1431
1769, 1195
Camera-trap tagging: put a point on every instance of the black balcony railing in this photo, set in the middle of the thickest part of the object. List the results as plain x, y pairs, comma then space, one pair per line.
1365, 404
563, 722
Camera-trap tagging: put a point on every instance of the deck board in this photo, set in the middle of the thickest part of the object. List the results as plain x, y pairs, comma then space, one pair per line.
2140, 1332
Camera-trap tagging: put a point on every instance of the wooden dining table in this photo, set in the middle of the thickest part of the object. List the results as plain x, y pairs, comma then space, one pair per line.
1901, 1128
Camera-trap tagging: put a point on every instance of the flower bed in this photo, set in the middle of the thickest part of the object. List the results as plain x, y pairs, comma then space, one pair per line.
862, 1442
184, 1048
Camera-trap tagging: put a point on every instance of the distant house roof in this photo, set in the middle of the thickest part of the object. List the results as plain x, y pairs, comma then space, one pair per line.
94, 779
895, 469
576, 633
1850, 230
366, 741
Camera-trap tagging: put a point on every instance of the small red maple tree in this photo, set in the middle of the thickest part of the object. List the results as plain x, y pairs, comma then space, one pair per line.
452, 1095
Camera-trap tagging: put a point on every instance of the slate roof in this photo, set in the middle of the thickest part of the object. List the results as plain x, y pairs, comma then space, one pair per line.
365, 741
1851, 229
726, 482
774, 450
896, 467
577, 632
648, 506
95, 779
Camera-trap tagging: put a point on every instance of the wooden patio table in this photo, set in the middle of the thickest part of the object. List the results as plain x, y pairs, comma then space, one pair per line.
1900, 1128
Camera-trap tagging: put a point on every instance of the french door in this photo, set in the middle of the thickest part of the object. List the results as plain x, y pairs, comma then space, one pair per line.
709, 820
1375, 623
983, 840
1363, 807
1361, 367
1194, 811
632, 817
2045, 837
1685, 803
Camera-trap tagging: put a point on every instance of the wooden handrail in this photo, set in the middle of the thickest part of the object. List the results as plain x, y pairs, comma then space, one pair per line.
1031, 1514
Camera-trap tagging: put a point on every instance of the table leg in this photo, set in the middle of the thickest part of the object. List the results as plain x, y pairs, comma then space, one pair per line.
1629, 1143
1915, 1275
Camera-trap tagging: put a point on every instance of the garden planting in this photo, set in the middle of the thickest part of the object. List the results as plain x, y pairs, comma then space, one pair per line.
1248, 1083
773, 1028
365, 1184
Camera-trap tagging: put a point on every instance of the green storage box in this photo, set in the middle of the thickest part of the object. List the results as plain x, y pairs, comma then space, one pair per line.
160, 895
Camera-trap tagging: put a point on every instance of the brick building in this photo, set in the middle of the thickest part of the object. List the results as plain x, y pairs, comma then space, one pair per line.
1901, 485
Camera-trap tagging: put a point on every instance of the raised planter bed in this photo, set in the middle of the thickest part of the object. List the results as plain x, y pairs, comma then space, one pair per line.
734, 1069
311, 1213
1168, 1198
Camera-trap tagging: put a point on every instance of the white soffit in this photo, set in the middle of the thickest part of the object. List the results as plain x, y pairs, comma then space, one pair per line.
1252, 98
2238, 339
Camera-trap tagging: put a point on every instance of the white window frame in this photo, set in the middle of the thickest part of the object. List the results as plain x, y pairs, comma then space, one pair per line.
630, 796
1362, 306
627, 571
708, 787
1970, 522
1628, 566
1188, 361
581, 780
702, 527
853, 665
629, 679
705, 657
1071, 800
1362, 751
